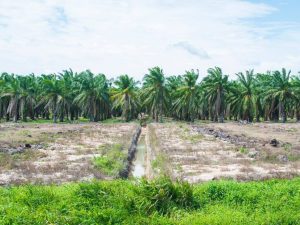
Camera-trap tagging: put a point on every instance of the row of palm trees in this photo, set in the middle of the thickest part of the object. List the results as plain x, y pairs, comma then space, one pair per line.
69, 95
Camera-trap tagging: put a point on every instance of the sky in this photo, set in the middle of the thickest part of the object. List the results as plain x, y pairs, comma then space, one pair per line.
117, 37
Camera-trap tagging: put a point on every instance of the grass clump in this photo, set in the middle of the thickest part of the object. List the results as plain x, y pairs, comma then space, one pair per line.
112, 160
186, 134
5, 160
158, 201
163, 196
287, 146
243, 150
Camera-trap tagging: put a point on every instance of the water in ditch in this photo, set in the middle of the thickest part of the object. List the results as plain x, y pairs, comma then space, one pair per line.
139, 162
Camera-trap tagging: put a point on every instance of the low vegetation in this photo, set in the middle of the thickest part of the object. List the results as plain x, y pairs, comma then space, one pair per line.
153, 202
112, 161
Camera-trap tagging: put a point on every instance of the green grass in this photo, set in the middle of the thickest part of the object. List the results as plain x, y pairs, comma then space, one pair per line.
9, 161
243, 150
44, 121
113, 120
153, 202
112, 160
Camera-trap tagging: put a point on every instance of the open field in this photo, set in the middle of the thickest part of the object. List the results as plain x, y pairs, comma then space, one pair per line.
209, 151
82, 163
48, 153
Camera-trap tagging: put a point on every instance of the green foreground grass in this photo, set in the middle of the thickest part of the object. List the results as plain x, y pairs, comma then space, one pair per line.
155, 202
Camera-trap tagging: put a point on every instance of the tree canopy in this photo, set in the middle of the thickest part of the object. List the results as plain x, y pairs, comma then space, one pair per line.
213, 96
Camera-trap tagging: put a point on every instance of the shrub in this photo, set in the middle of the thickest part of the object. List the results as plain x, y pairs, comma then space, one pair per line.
162, 195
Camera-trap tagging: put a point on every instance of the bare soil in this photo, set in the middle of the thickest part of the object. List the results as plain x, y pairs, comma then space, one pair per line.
48, 153
58, 153
210, 151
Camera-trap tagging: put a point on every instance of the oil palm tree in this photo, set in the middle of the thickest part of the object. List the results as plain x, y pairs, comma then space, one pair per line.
186, 101
172, 84
69, 86
216, 86
92, 95
28, 96
124, 96
281, 90
12, 90
52, 95
296, 89
242, 98
155, 93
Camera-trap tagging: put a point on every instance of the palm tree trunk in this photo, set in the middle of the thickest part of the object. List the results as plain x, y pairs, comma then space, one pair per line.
1, 109
126, 113
283, 112
47, 114
219, 109
55, 111
15, 110
156, 115
77, 115
62, 115
91, 112
24, 115
30, 110
298, 114
72, 115
94, 111
192, 113
161, 111
55, 117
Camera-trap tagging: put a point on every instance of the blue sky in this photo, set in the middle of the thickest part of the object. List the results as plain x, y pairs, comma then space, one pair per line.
287, 10
129, 36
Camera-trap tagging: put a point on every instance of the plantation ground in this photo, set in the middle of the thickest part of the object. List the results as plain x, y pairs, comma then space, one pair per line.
58, 153
209, 151
82, 161
193, 152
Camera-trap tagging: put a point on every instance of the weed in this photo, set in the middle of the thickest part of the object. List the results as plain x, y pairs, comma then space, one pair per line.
244, 150
287, 146
112, 160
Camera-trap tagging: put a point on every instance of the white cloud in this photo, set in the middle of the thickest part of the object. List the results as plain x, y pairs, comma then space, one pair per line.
129, 36
201, 53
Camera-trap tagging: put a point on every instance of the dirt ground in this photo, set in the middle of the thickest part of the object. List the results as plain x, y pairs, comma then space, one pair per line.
48, 153
209, 151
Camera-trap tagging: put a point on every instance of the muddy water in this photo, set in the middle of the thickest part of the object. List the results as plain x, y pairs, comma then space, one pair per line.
139, 161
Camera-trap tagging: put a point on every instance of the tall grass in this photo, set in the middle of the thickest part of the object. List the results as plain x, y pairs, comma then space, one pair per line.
153, 202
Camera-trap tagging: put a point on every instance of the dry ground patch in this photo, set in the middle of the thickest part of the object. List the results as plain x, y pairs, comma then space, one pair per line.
210, 151
57, 153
